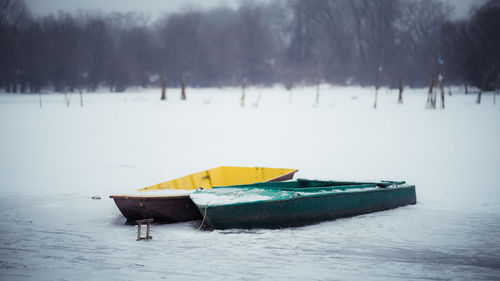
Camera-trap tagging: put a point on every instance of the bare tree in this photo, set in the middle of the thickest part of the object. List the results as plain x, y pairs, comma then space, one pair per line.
219, 36
473, 47
421, 22
330, 16
359, 13
263, 42
98, 44
14, 17
255, 43
181, 44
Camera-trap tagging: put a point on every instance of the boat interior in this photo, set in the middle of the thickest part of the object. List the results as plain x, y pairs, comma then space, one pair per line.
306, 185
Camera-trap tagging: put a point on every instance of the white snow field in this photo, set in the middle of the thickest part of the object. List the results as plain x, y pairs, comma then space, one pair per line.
55, 158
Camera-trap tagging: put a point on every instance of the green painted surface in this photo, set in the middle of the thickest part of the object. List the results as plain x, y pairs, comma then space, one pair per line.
307, 184
301, 202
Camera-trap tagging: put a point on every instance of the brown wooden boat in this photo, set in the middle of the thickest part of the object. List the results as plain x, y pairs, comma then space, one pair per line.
179, 207
168, 208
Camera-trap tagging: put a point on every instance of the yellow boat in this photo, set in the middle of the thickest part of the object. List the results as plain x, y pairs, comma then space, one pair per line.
177, 206
225, 176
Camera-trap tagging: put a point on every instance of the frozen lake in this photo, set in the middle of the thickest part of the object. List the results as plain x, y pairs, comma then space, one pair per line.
55, 158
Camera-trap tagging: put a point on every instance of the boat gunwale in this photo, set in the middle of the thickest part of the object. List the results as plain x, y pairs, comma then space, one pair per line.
379, 189
150, 197
326, 188
323, 184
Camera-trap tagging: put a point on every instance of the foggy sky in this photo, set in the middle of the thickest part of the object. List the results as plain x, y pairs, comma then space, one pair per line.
156, 7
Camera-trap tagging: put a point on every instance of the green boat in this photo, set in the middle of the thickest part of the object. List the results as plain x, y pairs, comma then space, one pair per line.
297, 203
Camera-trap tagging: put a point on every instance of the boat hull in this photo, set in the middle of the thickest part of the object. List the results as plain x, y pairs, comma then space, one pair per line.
306, 210
166, 209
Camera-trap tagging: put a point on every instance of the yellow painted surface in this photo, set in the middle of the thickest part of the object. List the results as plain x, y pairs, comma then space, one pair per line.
222, 176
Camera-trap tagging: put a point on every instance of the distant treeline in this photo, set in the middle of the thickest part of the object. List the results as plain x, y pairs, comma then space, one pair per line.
290, 42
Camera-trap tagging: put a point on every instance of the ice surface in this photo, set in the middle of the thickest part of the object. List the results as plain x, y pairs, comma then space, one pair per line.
55, 158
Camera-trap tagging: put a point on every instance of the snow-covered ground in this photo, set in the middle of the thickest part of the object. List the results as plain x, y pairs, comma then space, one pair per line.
55, 158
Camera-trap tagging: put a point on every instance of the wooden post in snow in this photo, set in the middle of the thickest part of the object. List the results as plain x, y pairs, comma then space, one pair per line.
81, 96
496, 90
441, 81
430, 96
183, 88
400, 98
243, 86
67, 98
256, 104
163, 85
377, 85
79, 80
318, 82
40, 97
441, 86
289, 86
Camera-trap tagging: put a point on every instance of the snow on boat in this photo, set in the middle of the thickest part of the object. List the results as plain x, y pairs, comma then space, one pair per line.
169, 201
296, 203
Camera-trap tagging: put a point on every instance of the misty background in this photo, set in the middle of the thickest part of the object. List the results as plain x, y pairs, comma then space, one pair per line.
359, 42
